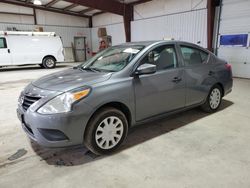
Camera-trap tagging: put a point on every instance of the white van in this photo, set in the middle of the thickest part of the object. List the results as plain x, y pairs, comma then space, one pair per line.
25, 48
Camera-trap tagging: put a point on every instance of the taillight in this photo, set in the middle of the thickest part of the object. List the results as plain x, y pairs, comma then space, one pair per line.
228, 67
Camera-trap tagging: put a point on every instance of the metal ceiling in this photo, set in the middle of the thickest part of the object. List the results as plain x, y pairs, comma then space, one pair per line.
78, 7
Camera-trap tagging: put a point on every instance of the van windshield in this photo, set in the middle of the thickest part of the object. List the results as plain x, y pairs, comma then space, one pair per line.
112, 59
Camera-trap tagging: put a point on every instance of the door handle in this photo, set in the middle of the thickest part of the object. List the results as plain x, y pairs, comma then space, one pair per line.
210, 73
8, 50
176, 79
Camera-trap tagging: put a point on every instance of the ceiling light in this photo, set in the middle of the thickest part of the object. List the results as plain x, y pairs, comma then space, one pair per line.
37, 2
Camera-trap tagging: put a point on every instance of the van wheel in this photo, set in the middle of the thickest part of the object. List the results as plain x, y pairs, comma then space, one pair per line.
213, 100
49, 63
41, 65
106, 131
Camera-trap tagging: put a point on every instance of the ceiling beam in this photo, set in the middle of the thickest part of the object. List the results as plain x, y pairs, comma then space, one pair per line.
111, 6
139, 2
70, 7
19, 14
51, 3
20, 3
86, 10
98, 13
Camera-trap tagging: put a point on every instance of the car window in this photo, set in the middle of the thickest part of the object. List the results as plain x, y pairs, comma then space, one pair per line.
164, 57
114, 58
193, 56
3, 43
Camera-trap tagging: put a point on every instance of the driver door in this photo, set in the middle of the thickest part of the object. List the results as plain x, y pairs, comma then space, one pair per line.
162, 91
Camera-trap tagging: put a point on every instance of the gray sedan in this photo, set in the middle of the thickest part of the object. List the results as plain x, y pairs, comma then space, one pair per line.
97, 102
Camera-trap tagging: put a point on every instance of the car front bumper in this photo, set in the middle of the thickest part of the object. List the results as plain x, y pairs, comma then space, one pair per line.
56, 130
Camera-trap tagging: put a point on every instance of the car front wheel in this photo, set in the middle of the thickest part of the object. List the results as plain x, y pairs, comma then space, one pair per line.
106, 131
213, 100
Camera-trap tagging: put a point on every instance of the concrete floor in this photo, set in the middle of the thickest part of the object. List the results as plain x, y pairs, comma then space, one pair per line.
191, 149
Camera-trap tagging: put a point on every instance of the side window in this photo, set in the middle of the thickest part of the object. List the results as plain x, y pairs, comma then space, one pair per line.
3, 43
204, 56
164, 57
193, 56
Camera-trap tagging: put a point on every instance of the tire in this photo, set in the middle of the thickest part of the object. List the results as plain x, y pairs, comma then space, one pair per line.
106, 131
41, 65
213, 100
49, 63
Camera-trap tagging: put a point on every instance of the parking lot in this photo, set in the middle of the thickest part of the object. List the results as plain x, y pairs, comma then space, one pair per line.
190, 149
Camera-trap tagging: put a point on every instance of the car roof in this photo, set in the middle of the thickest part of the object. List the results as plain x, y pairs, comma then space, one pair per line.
147, 43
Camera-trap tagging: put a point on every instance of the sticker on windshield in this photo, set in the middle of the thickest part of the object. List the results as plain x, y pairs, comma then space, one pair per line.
131, 50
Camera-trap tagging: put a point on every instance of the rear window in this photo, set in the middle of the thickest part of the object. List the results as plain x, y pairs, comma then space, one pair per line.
193, 56
3, 43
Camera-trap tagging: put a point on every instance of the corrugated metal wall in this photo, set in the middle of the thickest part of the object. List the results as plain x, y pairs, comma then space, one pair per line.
115, 30
65, 26
67, 33
114, 26
188, 26
182, 19
235, 19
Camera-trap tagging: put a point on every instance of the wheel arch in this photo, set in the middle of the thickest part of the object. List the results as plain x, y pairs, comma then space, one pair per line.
49, 56
119, 106
221, 86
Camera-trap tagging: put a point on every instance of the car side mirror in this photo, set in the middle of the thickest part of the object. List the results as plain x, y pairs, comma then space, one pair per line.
145, 69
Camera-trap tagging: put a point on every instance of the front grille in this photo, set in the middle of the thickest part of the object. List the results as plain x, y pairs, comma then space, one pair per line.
28, 101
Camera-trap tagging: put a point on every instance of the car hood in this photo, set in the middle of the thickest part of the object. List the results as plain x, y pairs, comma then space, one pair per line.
70, 79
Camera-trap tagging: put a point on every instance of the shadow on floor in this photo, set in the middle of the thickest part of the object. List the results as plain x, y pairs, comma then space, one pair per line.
79, 155
29, 67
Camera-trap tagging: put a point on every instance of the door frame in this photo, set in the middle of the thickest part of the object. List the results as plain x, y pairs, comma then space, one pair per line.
85, 47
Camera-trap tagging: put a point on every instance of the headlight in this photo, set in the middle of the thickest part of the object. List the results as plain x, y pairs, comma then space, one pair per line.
63, 103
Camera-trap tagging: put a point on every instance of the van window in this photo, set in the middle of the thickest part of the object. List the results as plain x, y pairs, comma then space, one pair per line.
193, 56
3, 43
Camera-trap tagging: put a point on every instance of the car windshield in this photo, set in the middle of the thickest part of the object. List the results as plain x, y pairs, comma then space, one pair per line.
112, 59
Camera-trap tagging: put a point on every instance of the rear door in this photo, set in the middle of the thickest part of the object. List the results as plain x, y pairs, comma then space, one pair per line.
5, 56
197, 73
164, 90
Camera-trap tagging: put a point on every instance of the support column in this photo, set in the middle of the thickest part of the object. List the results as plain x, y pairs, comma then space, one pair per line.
34, 14
128, 16
210, 23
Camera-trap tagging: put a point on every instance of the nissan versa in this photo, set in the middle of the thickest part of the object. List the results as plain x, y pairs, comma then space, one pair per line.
97, 102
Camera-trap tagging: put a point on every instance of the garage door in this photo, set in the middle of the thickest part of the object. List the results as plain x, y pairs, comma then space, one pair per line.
233, 44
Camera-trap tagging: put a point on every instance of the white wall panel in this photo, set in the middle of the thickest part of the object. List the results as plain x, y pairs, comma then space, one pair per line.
67, 33
163, 7
15, 9
235, 19
182, 19
7, 18
106, 19
115, 30
188, 26
51, 18
23, 27
43, 17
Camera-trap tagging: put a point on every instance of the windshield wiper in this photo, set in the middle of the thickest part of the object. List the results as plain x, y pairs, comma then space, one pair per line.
89, 68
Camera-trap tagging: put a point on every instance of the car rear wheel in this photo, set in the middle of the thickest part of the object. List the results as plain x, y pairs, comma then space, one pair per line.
49, 63
106, 131
213, 100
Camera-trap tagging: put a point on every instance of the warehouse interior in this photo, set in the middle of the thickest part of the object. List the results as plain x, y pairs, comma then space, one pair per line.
188, 149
